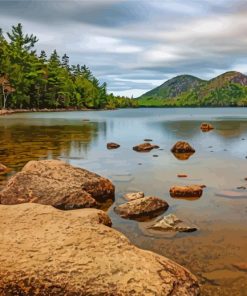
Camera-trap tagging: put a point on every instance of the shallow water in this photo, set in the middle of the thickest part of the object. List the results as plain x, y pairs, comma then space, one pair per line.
219, 162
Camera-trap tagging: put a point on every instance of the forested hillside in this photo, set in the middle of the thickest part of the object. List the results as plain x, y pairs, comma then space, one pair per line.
29, 79
228, 89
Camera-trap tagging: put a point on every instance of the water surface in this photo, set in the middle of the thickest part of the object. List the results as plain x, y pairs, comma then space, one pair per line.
219, 162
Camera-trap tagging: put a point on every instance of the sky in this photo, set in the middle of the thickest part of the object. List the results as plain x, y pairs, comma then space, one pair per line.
135, 45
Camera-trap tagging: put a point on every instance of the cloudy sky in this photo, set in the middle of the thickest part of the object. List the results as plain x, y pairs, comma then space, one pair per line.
135, 45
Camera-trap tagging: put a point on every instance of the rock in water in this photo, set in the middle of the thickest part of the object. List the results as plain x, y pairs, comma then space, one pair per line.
56, 183
206, 127
134, 195
191, 191
145, 147
142, 208
49, 252
182, 175
182, 147
112, 145
172, 223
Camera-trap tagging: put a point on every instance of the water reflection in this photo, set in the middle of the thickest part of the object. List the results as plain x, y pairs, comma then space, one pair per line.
182, 156
21, 143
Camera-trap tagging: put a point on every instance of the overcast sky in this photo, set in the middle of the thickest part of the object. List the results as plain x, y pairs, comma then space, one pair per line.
135, 45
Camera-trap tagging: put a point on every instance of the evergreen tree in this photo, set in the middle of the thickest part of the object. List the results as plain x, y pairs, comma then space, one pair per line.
28, 80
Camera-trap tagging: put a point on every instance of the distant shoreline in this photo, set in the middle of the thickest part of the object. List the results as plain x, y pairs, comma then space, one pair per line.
5, 112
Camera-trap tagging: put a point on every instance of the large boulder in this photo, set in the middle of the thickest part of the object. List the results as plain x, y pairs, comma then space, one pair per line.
145, 147
45, 251
182, 147
142, 208
53, 182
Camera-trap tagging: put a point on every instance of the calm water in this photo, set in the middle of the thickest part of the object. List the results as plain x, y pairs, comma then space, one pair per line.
219, 162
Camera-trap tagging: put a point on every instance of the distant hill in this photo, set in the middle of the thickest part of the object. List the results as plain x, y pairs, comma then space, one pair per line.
174, 87
228, 89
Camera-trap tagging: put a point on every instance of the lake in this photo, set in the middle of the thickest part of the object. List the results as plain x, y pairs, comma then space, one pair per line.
213, 252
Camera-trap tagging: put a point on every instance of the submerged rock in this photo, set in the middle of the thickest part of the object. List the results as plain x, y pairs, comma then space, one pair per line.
56, 183
112, 145
232, 194
241, 187
145, 147
3, 169
206, 127
49, 252
191, 191
171, 223
134, 195
182, 147
142, 208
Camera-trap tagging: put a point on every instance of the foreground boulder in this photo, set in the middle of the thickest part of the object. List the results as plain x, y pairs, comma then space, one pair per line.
112, 145
191, 191
3, 169
49, 252
56, 183
182, 147
145, 147
142, 208
206, 127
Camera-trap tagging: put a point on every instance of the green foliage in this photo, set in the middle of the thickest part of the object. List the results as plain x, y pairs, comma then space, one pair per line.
228, 89
174, 87
49, 82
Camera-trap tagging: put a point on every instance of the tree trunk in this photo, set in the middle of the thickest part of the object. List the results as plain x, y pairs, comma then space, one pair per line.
4, 97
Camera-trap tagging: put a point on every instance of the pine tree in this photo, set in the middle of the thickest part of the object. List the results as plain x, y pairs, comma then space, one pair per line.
28, 80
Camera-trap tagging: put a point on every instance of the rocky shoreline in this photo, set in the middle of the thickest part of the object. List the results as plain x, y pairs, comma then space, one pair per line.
46, 251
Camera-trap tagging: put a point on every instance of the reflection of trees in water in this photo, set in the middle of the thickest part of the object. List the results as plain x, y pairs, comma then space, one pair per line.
182, 156
178, 129
19, 144
231, 128
191, 129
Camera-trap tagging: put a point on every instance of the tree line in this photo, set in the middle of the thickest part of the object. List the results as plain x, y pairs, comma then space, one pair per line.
32, 80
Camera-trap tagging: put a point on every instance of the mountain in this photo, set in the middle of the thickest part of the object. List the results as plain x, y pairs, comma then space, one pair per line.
174, 87
228, 89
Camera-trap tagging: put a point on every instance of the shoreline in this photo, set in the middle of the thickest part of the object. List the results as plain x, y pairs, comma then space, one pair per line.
4, 112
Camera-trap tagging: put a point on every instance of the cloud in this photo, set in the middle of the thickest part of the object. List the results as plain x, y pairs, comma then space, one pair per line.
135, 45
